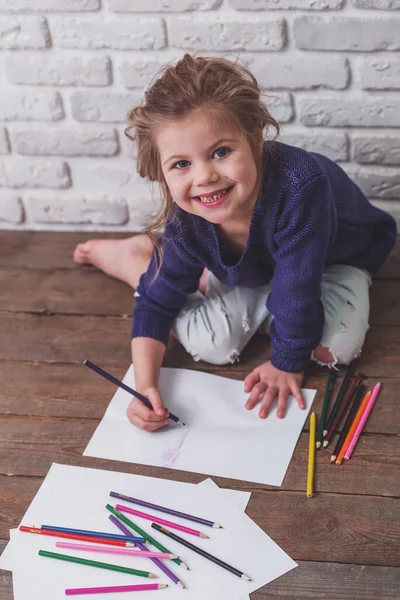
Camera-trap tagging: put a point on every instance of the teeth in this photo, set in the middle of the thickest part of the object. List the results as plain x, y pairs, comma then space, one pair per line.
209, 199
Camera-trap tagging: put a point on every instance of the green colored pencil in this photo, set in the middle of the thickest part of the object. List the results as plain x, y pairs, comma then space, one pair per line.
95, 563
329, 385
148, 537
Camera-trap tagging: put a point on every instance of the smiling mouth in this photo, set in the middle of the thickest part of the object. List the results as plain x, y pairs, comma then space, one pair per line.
214, 199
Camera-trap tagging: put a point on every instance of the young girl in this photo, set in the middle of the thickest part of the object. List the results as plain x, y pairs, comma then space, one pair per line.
257, 233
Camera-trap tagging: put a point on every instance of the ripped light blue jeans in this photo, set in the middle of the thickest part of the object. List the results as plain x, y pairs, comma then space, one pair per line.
215, 327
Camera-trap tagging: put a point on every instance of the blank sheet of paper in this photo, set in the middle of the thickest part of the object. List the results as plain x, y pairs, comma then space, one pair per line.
220, 438
76, 497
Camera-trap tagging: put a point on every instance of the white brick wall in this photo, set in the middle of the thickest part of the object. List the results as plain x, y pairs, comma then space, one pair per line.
71, 69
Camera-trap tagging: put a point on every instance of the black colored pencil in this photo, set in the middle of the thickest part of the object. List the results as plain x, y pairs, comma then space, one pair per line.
200, 551
345, 403
128, 389
339, 397
359, 395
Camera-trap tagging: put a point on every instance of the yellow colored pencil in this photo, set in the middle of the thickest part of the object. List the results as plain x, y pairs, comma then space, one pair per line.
311, 455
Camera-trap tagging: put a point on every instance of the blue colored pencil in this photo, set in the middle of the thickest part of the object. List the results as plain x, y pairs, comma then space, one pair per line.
98, 534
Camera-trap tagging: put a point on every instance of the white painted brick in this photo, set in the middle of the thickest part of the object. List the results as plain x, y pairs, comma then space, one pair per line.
379, 73
66, 141
34, 173
346, 33
94, 210
121, 34
142, 208
48, 5
163, 5
226, 33
376, 182
301, 72
377, 149
111, 107
391, 207
23, 33
68, 70
286, 4
332, 144
372, 111
379, 4
4, 142
280, 106
31, 105
11, 210
138, 72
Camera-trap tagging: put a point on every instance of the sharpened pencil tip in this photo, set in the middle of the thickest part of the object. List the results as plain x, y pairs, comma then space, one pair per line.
181, 423
152, 576
216, 526
184, 566
162, 585
318, 445
245, 577
180, 584
333, 458
326, 443
203, 535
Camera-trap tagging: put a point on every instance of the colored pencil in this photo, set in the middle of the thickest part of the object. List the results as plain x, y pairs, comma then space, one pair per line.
311, 456
108, 550
157, 562
341, 393
128, 389
154, 519
355, 404
169, 511
343, 407
352, 429
362, 422
95, 563
98, 534
328, 389
115, 588
143, 533
72, 536
200, 551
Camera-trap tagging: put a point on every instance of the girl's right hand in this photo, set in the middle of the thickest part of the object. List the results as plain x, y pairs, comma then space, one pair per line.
143, 417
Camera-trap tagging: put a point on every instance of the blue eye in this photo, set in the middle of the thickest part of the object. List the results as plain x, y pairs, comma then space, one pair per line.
222, 150
178, 163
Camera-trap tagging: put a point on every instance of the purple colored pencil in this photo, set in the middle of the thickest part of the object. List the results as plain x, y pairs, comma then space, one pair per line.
169, 511
156, 561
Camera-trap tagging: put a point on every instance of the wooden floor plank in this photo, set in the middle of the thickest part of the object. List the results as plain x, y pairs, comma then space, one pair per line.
60, 338
90, 292
28, 446
73, 391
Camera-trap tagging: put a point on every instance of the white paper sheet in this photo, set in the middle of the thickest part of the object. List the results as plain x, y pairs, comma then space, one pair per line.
76, 496
220, 438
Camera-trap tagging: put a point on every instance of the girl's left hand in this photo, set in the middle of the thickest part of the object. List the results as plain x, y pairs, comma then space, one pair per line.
268, 381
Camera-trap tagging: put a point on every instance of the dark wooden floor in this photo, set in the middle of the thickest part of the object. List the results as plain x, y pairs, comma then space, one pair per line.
53, 315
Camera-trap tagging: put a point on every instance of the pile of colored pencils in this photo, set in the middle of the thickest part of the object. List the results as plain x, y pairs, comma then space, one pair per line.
352, 399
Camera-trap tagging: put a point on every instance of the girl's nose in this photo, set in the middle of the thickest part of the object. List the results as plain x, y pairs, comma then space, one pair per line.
205, 174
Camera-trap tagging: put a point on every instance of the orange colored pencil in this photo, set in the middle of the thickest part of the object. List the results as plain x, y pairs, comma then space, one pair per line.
352, 429
75, 536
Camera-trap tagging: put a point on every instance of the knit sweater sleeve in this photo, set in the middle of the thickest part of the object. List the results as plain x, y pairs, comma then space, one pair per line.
161, 295
304, 232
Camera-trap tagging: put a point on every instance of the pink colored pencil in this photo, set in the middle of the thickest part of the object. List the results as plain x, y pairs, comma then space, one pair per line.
115, 588
363, 419
109, 550
143, 515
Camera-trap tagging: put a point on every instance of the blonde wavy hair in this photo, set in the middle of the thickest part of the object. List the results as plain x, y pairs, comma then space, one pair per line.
227, 91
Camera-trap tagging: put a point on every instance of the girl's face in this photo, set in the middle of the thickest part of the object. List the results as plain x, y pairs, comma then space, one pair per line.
209, 169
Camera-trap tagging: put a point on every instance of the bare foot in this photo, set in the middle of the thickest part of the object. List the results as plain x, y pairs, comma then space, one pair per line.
125, 259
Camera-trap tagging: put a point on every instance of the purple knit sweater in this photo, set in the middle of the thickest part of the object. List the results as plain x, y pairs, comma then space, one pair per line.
309, 215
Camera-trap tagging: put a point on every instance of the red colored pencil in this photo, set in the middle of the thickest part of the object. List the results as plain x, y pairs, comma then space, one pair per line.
75, 536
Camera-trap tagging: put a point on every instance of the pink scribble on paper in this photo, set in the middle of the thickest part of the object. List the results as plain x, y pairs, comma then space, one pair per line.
171, 455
